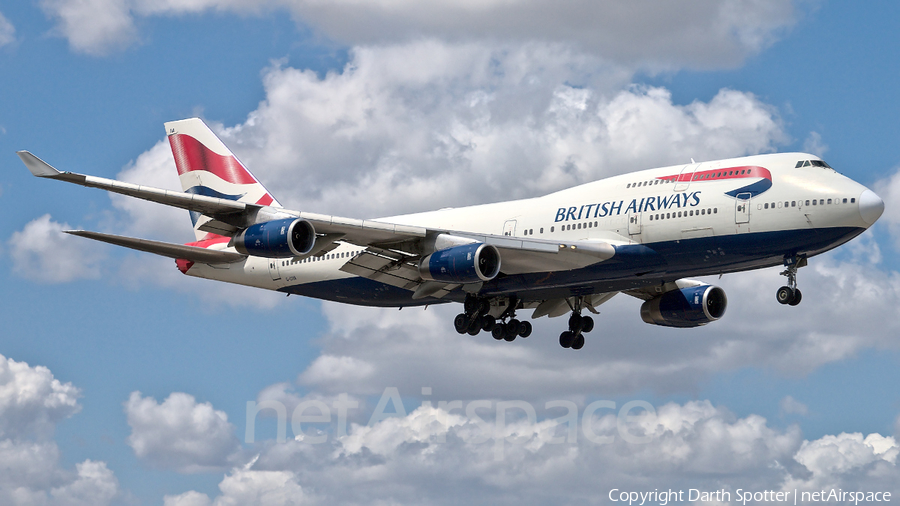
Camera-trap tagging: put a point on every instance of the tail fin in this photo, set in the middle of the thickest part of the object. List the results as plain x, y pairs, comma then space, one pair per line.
207, 167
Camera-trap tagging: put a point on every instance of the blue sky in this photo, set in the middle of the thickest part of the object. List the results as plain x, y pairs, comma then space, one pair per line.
381, 108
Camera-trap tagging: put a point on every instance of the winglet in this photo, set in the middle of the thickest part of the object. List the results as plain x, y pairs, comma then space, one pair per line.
37, 166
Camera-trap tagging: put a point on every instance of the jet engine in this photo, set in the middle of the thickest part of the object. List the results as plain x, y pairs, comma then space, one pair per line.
686, 307
277, 239
468, 263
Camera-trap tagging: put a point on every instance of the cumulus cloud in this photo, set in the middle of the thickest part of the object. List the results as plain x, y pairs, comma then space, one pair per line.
7, 31
656, 35
41, 252
438, 455
32, 402
262, 488
466, 124
180, 433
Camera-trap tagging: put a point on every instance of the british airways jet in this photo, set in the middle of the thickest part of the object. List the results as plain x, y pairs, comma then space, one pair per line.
642, 233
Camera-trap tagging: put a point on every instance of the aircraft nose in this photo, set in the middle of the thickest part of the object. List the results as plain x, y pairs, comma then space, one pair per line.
870, 206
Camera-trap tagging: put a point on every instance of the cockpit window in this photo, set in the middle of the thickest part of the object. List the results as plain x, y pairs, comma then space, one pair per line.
812, 163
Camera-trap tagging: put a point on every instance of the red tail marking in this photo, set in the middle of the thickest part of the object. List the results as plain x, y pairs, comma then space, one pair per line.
190, 155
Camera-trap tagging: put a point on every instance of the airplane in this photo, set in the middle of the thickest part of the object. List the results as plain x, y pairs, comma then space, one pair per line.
644, 233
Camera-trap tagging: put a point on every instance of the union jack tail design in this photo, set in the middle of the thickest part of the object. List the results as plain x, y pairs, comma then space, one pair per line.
207, 167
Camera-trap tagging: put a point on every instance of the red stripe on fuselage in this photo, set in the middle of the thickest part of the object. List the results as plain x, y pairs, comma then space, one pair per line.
721, 174
190, 154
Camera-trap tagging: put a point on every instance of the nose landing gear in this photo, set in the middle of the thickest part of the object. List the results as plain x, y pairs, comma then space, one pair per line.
790, 294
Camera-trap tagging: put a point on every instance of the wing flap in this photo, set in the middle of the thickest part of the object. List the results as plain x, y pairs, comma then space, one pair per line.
192, 253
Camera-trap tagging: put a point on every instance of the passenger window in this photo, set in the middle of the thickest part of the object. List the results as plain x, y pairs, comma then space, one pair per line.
829, 201
845, 201
542, 230
551, 228
814, 201
853, 200
715, 210
807, 202
767, 205
793, 203
595, 223
821, 202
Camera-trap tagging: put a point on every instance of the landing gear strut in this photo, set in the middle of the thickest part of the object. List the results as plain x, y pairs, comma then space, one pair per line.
477, 318
578, 325
790, 294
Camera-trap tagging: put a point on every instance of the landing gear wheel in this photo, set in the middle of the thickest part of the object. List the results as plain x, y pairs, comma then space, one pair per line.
525, 329
578, 343
785, 295
488, 323
797, 297
511, 330
461, 323
498, 332
576, 323
587, 324
474, 328
566, 338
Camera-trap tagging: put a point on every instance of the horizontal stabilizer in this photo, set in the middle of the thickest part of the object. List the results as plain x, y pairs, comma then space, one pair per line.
166, 249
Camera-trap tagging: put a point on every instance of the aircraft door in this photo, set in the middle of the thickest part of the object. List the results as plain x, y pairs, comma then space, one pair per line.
742, 210
273, 269
684, 179
634, 223
509, 228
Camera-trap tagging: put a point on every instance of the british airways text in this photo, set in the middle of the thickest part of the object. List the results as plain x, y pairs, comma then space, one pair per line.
658, 203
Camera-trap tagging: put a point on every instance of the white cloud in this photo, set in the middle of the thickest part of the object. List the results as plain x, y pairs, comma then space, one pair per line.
180, 433
95, 27
41, 252
240, 487
433, 456
94, 484
32, 402
7, 31
467, 124
657, 35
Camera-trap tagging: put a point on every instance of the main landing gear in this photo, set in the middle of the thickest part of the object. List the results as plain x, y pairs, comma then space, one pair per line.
477, 317
790, 294
578, 326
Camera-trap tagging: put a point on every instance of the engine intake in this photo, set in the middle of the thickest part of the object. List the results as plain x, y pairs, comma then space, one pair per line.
277, 239
686, 307
469, 263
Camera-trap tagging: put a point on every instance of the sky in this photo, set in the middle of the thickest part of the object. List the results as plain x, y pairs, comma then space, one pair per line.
123, 382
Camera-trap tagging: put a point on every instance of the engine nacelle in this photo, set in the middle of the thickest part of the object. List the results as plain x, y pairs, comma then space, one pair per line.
686, 307
277, 239
468, 263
